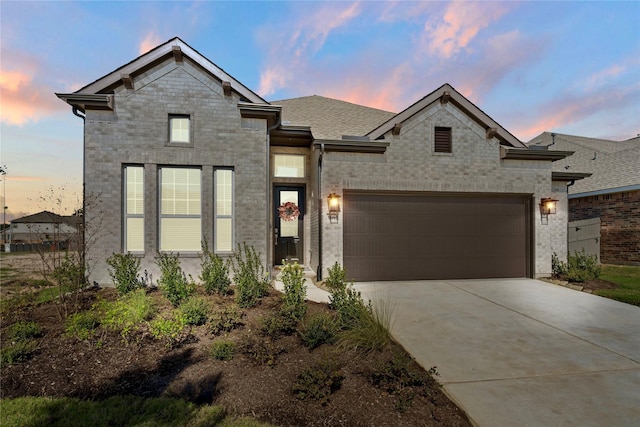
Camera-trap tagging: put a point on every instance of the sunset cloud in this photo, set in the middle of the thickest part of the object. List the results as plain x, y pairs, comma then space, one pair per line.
151, 40
460, 24
23, 100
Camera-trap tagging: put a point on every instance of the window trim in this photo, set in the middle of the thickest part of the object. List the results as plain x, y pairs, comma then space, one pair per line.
125, 214
216, 216
162, 216
437, 139
173, 143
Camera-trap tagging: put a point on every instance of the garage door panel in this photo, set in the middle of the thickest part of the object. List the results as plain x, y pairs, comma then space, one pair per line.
409, 236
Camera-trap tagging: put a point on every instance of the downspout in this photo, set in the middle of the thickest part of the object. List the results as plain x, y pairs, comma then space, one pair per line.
319, 270
83, 254
268, 193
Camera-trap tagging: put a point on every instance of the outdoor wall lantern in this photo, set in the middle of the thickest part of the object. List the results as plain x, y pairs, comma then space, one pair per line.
334, 207
548, 206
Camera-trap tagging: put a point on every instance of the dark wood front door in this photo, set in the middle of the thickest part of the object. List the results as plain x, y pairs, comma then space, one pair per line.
288, 224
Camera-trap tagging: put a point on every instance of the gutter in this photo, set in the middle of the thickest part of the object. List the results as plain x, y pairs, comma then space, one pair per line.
74, 110
268, 193
319, 270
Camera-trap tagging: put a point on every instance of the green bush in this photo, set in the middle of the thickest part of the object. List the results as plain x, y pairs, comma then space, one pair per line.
225, 320
278, 324
318, 382
558, 267
336, 279
70, 273
249, 276
215, 272
348, 304
124, 272
195, 311
82, 325
24, 330
295, 292
173, 282
261, 351
127, 313
18, 351
582, 267
321, 329
168, 329
222, 350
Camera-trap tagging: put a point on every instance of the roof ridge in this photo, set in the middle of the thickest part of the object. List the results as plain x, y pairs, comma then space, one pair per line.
332, 99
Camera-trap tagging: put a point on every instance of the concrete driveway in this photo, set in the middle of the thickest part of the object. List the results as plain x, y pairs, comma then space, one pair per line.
521, 352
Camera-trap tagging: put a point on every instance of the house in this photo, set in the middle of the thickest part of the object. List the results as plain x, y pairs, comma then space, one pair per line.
612, 193
42, 227
178, 151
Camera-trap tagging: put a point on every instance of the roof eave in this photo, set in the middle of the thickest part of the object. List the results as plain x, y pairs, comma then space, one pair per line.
352, 145
84, 101
510, 153
569, 176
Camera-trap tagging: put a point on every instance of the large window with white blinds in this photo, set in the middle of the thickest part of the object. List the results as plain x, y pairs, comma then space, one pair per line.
180, 209
134, 209
223, 225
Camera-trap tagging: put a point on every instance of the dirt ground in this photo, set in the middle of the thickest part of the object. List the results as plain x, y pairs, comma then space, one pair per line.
105, 366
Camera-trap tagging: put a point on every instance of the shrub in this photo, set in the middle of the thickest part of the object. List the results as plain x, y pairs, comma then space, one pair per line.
558, 267
173, 282
168, 329
262, 352
222, 350
124, 272
70, 273
18, 351
295, 291
225, 320
348, 304
582, 267
278, 324
249, 276
24, 330
195, 311
321, 329
215, 272
318, 382
336, 279
127, 313
82, 325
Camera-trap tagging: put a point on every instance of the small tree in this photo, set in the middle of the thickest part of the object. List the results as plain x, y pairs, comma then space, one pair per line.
249, 276
295, 291
124, 272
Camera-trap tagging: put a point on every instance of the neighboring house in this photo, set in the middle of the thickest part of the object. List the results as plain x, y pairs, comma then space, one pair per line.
612, 193
178, 151
43, 227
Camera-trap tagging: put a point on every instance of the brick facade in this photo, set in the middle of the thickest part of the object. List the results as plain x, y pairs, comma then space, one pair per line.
619, 215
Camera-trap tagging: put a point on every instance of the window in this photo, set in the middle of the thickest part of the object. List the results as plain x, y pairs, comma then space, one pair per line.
442, 140
180, 210
179, 129
288, 166
134, 209
223, 225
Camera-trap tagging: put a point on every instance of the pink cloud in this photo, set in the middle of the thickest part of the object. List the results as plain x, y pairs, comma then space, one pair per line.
24, 100
461, 23
151, 40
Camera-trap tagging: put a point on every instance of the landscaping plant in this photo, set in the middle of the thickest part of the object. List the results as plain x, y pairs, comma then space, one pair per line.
249, 276
215, 272
173, 282
195, 311
320, 329
318, 382
295, 292
124, 272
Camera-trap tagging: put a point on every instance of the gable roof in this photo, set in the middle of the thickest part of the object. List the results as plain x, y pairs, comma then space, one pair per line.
331, 118
613, 164
446, 93
46, 217
97, 92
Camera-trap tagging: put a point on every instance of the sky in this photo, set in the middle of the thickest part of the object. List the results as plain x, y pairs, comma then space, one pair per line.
565, 67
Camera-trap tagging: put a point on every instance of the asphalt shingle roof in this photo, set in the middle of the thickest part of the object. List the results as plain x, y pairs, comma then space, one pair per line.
613, 164
331, 118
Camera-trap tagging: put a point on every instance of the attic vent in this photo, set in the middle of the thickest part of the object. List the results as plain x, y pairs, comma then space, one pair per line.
442, 140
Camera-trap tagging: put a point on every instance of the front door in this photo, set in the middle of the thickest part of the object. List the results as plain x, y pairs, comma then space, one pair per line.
288, 218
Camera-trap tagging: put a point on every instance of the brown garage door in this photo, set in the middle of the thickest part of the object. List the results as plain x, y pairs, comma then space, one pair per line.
412, 236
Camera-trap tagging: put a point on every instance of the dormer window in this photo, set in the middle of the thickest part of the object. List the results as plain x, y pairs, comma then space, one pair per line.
179, 129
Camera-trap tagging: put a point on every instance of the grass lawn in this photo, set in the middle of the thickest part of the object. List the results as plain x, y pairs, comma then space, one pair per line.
627, 277
117, 410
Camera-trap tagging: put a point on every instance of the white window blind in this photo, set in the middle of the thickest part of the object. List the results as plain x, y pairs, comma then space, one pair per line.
180, 210
223, 226
134, 209
179, 129
288, 166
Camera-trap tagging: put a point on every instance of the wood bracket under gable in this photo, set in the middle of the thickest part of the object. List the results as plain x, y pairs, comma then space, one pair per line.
177, 53
127, 81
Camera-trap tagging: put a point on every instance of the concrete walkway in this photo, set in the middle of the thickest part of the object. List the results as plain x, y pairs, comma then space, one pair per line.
521, 352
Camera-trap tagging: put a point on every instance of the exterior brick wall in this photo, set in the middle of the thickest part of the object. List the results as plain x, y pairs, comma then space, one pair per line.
619, 215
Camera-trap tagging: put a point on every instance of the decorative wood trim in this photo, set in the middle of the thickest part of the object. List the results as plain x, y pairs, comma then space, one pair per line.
177, 53
226, 88
396, 129
446, 95
127, 81
491, 132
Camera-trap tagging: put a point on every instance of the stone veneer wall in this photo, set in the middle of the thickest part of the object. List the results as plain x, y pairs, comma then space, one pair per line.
620, 224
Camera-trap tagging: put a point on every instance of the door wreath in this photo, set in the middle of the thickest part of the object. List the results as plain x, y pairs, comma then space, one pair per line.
288, 211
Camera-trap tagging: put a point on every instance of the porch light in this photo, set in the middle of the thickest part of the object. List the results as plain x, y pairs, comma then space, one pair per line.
548, 206
333, 201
